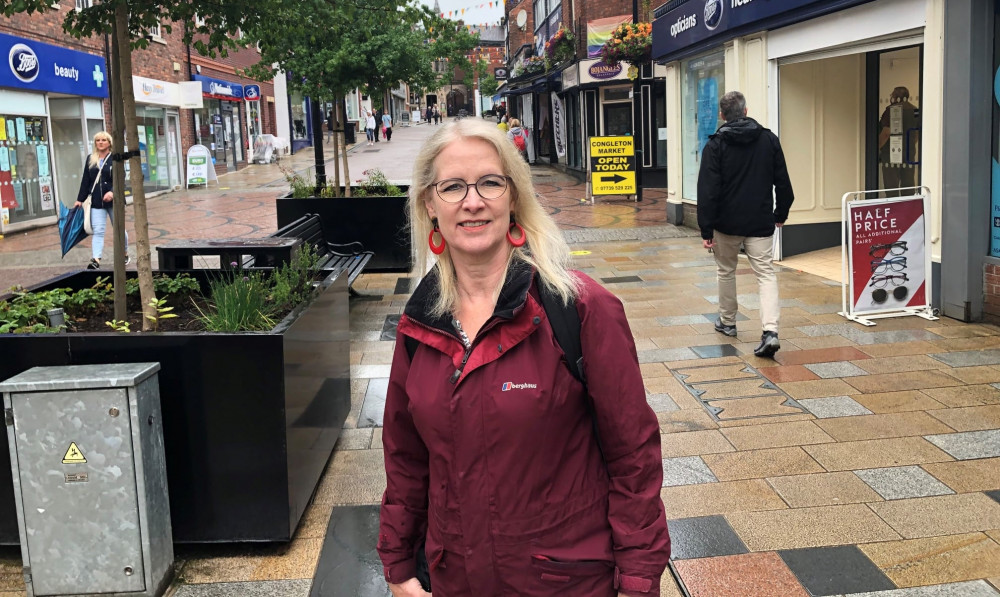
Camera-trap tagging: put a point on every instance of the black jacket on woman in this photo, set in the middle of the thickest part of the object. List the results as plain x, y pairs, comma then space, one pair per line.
103, 186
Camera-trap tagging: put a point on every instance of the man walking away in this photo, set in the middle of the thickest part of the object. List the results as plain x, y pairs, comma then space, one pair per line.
329, 126
742, 172
387, 126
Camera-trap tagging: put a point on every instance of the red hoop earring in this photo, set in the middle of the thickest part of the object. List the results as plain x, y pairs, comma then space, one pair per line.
437, 249
519, 241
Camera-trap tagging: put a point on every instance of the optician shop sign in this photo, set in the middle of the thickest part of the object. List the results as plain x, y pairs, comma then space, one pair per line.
36, 66
219, 89
697, 20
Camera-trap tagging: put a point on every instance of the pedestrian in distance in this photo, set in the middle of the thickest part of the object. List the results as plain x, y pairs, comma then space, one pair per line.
329, 126
744, 193
378, 123
370, 127
430, 114
513, 475
518, 137
387, 126
502, 125
437, 116
97, 184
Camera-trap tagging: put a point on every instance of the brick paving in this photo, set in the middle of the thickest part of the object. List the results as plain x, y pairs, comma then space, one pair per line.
861, 461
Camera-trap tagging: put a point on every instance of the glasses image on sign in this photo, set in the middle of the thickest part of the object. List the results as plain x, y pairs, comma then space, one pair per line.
453, 190
880, 251
894, 264
881, 294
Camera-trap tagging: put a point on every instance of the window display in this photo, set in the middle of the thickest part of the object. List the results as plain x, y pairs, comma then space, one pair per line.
702, 84
26, 188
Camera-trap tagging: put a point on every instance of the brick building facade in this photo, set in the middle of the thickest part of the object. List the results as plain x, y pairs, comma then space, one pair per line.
61, 101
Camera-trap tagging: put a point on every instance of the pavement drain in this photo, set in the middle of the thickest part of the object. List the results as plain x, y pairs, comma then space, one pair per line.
736, 391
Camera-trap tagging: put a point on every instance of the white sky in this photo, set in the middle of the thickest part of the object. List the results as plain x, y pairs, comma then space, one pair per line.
473, 15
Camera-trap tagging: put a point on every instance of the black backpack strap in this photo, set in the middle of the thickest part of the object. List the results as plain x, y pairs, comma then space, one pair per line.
411, 346
565, 322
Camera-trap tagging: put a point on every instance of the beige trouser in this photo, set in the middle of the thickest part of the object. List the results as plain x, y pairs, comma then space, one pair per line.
760, 250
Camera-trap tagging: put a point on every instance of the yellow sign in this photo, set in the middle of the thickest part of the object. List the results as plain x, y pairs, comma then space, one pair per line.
612, 166
74, 455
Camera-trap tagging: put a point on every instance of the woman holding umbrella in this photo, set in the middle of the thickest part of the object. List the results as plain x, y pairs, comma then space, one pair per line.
97, 184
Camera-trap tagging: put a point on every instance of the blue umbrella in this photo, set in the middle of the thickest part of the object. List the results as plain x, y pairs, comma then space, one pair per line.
70, 227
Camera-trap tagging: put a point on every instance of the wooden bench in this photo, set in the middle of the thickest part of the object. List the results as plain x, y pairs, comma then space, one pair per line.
350, 258
178, 254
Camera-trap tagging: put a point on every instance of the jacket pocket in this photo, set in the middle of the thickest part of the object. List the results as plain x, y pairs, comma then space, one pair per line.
566, 571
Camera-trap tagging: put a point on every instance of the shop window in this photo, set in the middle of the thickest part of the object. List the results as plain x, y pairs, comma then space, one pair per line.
298, 108
81, 4
154, 31
548, 18
26, 187
702, 84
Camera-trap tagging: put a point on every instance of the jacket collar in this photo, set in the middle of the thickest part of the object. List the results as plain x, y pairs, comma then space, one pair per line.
513, 295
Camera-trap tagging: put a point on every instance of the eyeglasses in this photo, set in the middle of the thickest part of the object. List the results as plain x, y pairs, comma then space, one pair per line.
886, 280
453, 190
880, 251
897, 264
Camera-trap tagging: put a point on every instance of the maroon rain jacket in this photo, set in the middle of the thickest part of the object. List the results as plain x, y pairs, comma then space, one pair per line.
492, 454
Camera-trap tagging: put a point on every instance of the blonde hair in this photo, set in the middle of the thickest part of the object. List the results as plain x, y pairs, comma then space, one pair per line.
95, 157
546, 249
514, 122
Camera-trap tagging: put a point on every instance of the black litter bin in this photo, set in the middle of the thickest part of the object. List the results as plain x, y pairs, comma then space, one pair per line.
349, 133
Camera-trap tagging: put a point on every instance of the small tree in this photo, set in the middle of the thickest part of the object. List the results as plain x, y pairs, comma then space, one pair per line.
128, 21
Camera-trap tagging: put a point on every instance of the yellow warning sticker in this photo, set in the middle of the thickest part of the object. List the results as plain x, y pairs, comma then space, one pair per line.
578, 253
74, 455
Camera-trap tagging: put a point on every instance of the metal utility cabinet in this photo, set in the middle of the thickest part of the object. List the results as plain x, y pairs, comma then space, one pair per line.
90, 479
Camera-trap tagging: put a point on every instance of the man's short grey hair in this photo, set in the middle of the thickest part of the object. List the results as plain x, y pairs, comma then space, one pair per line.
733, 106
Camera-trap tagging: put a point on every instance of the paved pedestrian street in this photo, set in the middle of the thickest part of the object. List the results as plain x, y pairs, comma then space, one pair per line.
859, 461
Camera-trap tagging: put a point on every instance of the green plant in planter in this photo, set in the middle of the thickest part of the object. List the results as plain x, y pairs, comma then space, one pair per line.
375, 184
239, 303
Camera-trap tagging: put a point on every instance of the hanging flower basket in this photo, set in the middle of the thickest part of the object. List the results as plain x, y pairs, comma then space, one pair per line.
561, 47
630, 42
535, 64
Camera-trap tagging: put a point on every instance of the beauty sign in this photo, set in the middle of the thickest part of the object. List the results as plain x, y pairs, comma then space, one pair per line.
888, 254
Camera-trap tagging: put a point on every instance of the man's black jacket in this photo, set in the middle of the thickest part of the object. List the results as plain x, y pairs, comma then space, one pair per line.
741, 164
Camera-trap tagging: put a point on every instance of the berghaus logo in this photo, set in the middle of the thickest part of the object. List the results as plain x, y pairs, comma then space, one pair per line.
509, 385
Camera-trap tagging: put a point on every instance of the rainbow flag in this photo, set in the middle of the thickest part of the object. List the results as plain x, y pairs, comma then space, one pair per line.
599, 31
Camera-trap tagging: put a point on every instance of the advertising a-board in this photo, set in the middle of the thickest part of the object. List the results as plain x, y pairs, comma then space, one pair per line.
887, 254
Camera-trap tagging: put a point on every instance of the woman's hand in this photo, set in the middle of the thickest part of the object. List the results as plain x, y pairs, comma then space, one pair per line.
109, 196
410, 588
77, 204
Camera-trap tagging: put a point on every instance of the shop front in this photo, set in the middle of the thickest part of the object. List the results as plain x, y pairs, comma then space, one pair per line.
300, 115
51, 105
840, 81
158, 123
218, 124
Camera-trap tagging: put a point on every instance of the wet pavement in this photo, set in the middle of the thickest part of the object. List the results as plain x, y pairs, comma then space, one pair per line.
860, 461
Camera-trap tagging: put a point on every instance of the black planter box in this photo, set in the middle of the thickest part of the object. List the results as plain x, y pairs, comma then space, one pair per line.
250, 419
378, 223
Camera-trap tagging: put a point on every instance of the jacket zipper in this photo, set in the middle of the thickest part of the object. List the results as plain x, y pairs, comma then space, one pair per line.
468, 351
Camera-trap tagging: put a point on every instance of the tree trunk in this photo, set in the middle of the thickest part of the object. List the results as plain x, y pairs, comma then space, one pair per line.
118, 176
144, 263
342, 107
337, 127
317, 126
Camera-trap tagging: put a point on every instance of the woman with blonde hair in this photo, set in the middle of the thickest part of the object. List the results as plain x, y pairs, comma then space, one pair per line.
512, 475
96, 183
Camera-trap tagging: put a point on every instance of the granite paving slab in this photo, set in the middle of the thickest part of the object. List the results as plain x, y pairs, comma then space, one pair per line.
731, 409
810, 527
823, 489
666, 355
836, 369
742, 575
705, 499
936, 560
966, 476
686, 470
374, 406
715, 351
661, 403
969, 358
835, 570
877, 453
274, 588
994, 495
976, 588
834, 406
969, 444
703, 537
940, 515
349, 566
896, 483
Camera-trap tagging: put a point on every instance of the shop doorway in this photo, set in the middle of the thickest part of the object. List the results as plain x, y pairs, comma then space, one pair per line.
846, 123
617, 119
228, 136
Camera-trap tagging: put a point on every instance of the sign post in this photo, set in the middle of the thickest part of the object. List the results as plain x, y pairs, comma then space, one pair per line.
200, 169
886, 261
612, 166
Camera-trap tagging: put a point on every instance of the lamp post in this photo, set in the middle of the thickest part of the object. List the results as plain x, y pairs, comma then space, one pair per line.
637, 114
